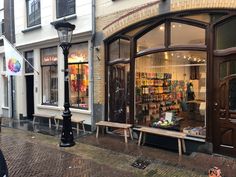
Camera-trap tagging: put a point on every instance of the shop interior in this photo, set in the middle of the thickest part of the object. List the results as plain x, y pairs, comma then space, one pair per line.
171, 91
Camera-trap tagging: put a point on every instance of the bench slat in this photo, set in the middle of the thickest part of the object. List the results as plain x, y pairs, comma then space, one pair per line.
77, 120
162, 132
113, 124
43, 115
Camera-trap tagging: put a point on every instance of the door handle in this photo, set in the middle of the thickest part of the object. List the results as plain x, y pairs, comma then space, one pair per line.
215, 105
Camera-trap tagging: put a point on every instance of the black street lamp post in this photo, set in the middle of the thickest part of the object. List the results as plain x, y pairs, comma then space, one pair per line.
65, 31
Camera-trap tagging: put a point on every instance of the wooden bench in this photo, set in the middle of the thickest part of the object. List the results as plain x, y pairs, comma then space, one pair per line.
123, 126
157, 131
49, 117
75, 120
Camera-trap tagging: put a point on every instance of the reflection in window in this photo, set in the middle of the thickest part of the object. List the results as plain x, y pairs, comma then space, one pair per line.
182, 34
225, 35
33, 12
152, 39
232, 94
79, 86
223, 70
79, 76
78, 53
171, 82
65, 8
119, 49
232, 69
30, 58
49, 76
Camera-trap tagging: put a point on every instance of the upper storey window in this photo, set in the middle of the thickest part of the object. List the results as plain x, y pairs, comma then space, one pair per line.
65, 8
33, 12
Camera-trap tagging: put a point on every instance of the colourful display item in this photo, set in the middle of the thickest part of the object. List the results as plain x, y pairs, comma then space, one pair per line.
14, 65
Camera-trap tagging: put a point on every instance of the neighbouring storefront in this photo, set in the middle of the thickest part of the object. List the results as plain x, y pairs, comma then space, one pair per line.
178, 72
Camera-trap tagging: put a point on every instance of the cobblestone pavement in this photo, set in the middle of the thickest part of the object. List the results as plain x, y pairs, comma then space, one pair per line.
38, 155
32, 154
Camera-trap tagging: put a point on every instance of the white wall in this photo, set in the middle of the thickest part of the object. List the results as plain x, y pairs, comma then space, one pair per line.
45, 37
48, 14
105, 7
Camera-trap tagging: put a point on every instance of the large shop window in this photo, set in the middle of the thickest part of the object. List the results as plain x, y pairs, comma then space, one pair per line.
79, 76
49, 76
29, 56
171, 91
65, 8
33, 12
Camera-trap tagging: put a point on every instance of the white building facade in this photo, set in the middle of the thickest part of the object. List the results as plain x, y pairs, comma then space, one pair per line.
5, 84
41, 90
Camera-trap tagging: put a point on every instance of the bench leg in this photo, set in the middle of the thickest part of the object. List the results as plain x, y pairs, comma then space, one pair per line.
131, 133
77, 128
33, 120
140, 138
49, 123
125, 132
183, 144
57, 123
179, 146
83, 126
97, 131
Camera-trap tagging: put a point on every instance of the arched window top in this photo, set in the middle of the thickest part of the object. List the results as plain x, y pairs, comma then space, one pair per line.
135, 31
205, 17
225, 34
185, 34
152, 39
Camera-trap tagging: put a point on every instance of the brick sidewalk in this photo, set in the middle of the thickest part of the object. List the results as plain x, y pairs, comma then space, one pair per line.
32, 154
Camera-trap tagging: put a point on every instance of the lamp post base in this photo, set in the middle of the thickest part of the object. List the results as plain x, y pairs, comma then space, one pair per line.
67, 138
69, 144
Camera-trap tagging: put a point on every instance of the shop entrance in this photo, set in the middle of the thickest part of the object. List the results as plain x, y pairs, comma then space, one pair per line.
30, 96
224, 105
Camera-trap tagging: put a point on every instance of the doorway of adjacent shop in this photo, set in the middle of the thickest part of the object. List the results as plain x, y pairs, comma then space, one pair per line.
30, 96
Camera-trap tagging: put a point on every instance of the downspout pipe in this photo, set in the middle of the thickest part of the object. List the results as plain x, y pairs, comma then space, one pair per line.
92, 63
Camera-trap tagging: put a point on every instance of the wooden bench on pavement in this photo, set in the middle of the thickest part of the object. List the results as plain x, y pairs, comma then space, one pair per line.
123, 126
73, 119
157, 131
49, 117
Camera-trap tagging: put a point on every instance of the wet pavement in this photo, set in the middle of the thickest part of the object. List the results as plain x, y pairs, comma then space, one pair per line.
34, 151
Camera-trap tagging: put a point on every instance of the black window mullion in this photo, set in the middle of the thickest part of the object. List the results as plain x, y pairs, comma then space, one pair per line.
79, 84
167, 34
50, 86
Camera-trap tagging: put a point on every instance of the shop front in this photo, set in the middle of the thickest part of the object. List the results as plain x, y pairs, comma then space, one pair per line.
177, 72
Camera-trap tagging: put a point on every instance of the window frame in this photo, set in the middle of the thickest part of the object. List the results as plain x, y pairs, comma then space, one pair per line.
42, 65
34, 13
81, 63
65, 8
30, 60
